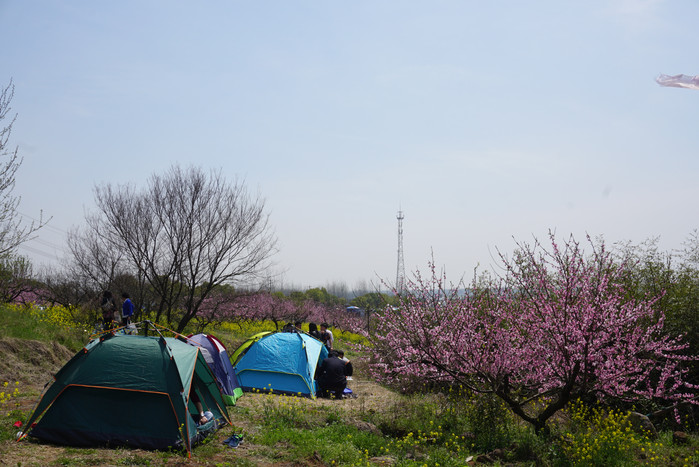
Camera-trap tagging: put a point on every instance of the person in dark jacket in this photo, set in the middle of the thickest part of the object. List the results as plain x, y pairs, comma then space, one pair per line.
332, 376
108, 310
313, 330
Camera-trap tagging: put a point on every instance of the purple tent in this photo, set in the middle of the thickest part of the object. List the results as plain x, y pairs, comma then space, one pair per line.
216, 356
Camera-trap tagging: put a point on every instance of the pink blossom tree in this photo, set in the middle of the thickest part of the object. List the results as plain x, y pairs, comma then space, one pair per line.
266, 306
556, 327
223, 305
240, 307
315, 312
337, 316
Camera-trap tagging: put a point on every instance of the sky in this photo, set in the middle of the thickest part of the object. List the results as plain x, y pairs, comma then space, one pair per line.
485, 123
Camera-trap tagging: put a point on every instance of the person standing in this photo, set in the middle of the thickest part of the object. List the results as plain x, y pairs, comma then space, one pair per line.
126, 309
108, 310
313, 331
326, 336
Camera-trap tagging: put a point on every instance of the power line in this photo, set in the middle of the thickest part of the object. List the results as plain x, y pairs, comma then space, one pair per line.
55, 246
47, 226
39, 252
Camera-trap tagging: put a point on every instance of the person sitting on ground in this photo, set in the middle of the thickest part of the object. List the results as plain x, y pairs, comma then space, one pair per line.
332, 376
297, 326
202, 416
288, 327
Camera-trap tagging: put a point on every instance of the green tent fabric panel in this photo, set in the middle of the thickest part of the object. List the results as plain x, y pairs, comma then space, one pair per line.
59, 384
186, 357
231, 400
89, 416
207, 388
136, 362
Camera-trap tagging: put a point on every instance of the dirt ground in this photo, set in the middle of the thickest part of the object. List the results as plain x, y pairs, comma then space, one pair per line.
33, 363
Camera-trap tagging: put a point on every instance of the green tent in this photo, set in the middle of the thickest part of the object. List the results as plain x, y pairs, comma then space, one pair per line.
129, 390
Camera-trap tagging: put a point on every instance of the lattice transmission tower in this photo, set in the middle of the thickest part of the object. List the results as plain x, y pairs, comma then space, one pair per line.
400, 271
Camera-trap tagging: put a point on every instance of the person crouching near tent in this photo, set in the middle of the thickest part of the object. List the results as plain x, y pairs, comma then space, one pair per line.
332, 376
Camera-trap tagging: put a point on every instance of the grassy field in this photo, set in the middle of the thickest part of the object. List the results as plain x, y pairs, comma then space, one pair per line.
378, 427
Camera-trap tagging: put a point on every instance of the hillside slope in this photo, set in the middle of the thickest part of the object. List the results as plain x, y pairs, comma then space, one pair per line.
32, 363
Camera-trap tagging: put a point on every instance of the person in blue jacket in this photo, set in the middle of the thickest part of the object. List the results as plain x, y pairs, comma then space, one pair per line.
126, 309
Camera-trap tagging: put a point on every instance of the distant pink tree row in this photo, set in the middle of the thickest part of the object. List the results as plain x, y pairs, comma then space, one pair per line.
337, 317
556, 327
259, 306
262, 306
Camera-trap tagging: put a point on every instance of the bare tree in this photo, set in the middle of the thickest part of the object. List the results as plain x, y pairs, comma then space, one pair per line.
15, 277
339, 289
73, 291
12, 231
185, 234
92, 257
95, 265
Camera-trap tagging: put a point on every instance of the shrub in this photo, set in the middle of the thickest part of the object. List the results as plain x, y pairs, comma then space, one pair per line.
605, 437
491, 423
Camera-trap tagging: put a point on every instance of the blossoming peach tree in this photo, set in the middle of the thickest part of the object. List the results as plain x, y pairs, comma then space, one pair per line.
556, 326
249, 306
260, 306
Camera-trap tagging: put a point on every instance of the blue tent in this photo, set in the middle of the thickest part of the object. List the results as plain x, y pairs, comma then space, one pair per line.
281, 362
216, 356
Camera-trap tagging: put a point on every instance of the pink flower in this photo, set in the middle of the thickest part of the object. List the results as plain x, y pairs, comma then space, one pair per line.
559, 325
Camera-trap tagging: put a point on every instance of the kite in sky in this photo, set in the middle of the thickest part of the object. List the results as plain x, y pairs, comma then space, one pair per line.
679, 81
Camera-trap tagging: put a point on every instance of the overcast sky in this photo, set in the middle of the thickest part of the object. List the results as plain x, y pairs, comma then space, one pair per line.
483, 121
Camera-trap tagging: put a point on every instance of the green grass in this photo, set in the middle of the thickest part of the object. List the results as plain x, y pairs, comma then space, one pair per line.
51, 324
8, 431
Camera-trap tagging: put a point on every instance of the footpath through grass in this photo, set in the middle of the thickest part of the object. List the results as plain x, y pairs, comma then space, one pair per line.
379, 427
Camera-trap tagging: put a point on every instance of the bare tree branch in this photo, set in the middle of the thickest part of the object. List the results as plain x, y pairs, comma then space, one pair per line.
12, 231
186, 233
